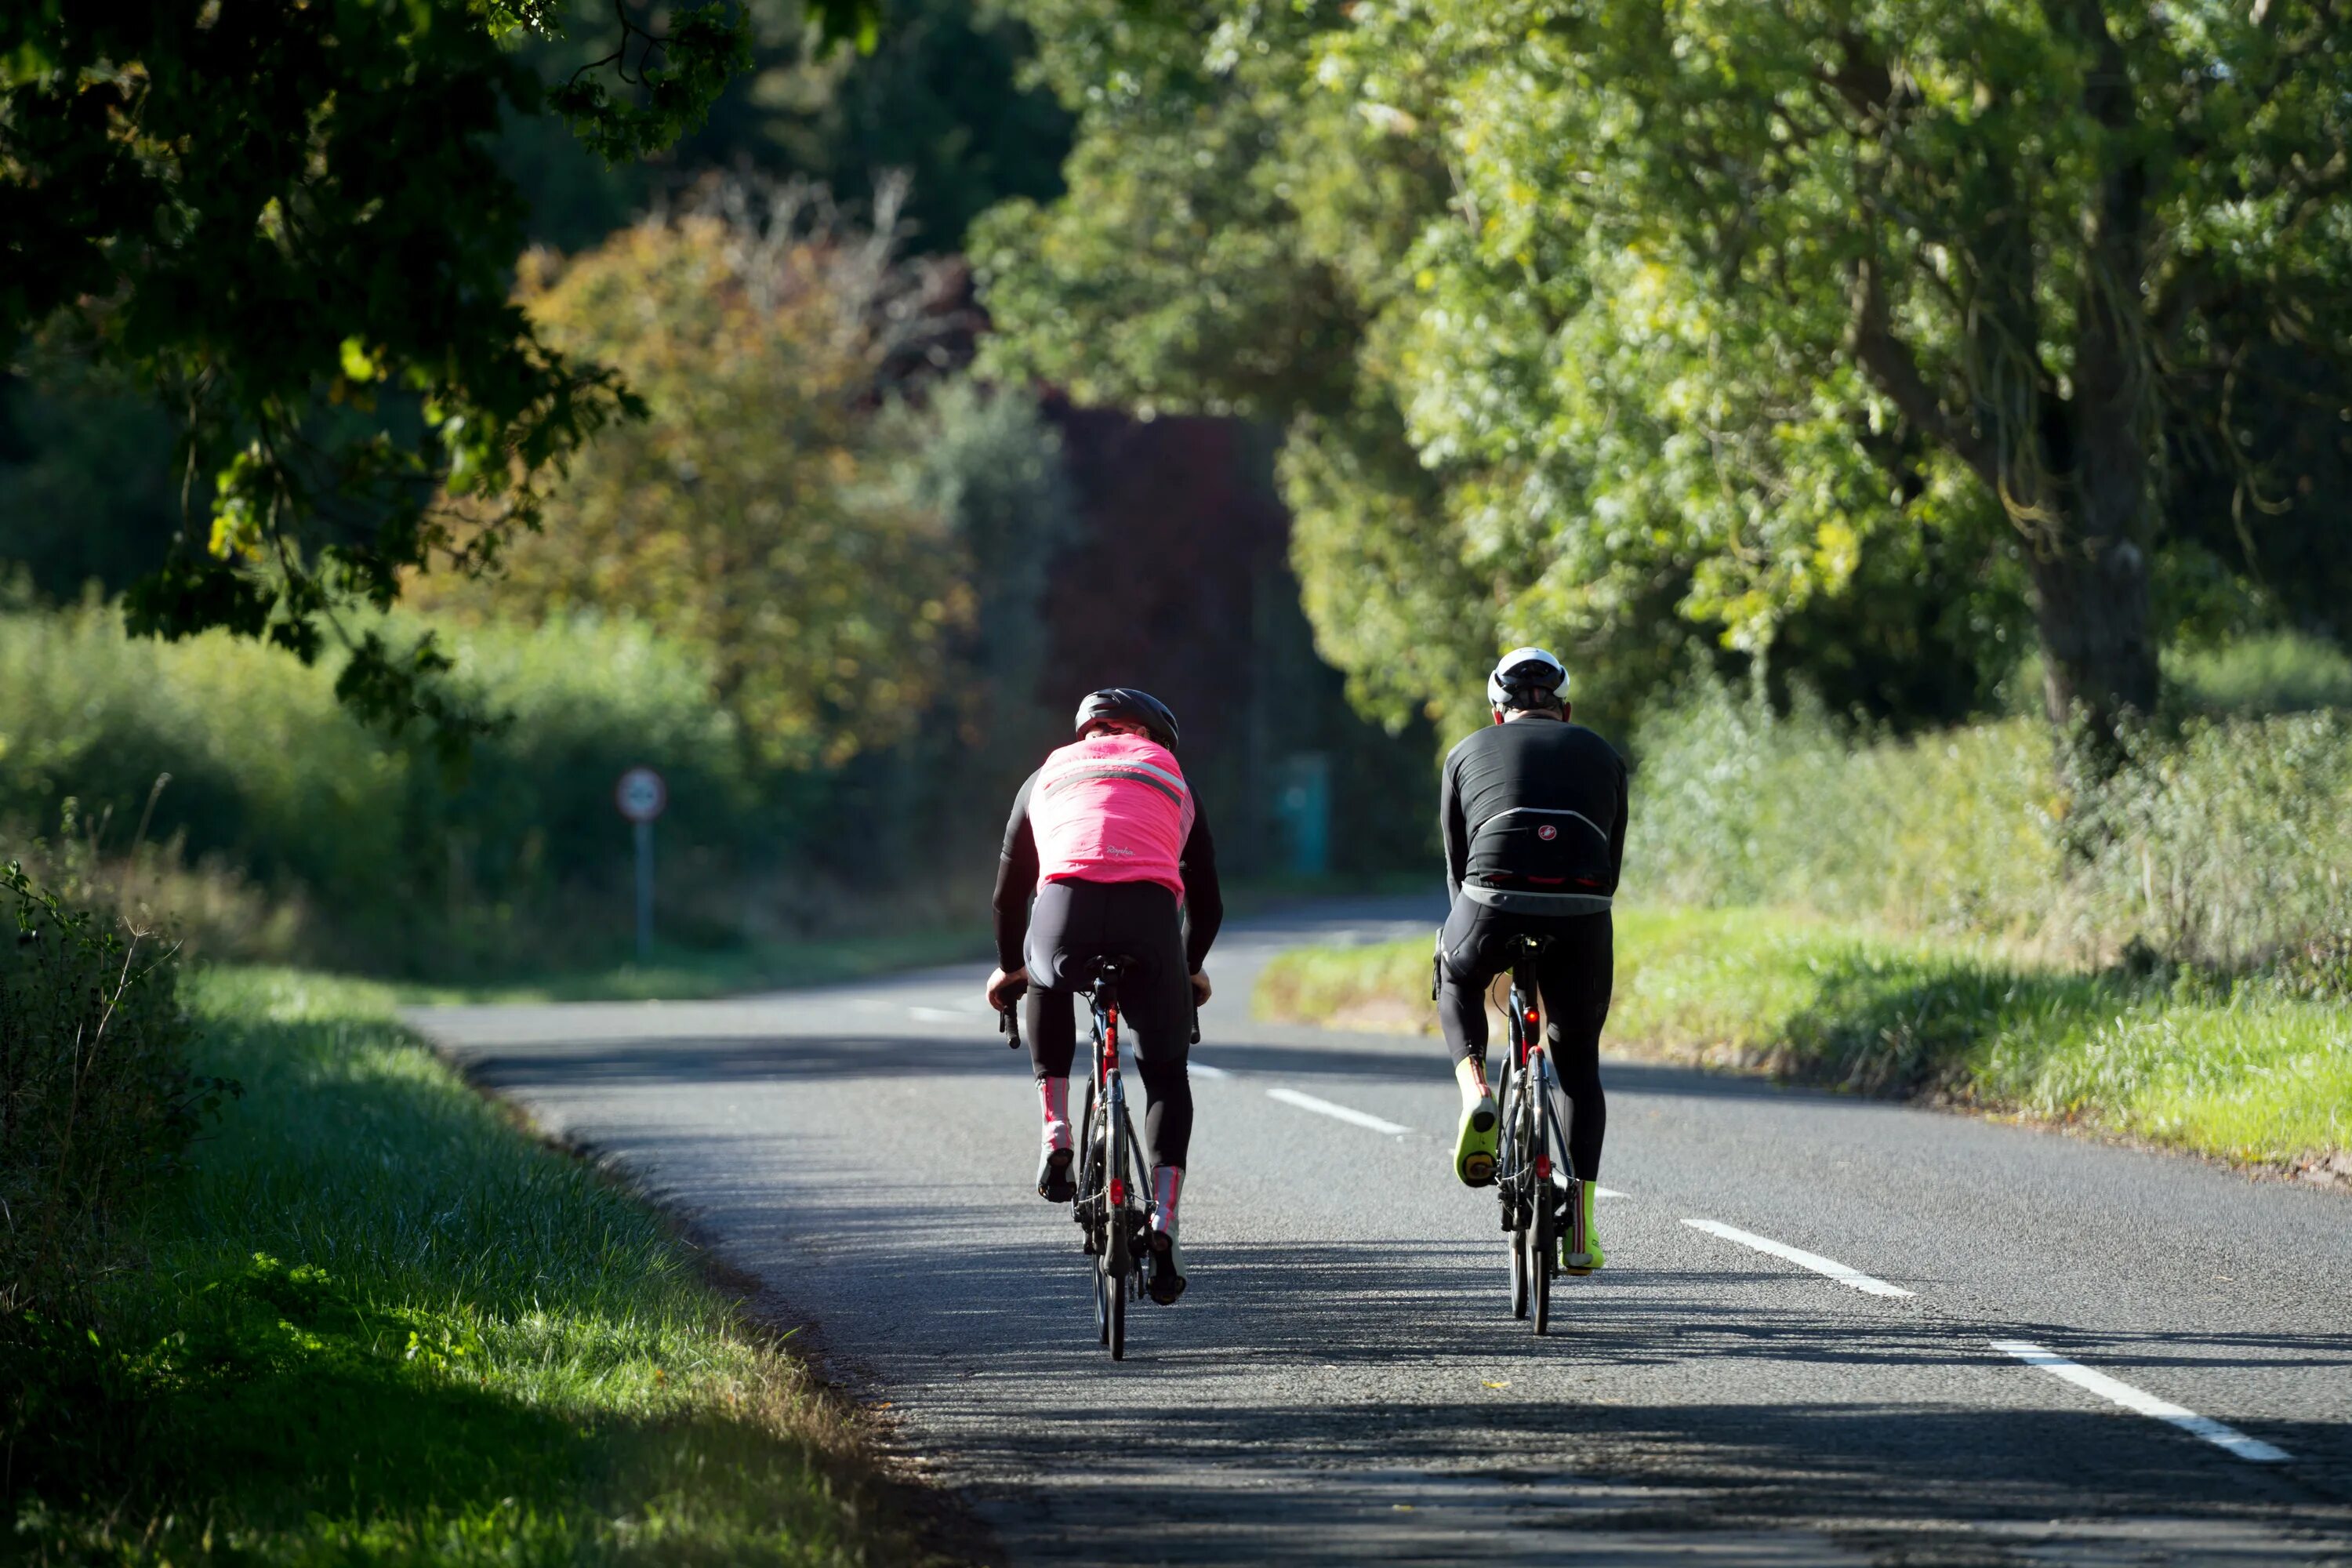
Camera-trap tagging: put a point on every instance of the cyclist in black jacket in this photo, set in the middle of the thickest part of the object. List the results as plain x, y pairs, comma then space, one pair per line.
1534, 817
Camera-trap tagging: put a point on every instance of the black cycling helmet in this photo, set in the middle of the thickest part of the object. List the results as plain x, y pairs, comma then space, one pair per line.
1524, 670
1134, 706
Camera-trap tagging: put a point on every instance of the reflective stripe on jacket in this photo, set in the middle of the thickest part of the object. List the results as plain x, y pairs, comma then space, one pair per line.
1111, 809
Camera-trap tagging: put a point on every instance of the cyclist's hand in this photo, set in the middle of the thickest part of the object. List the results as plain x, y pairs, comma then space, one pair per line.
1200, 989
1004, 989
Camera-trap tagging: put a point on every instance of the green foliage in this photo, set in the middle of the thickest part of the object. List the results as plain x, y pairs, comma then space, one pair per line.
940, 99
87, 490
1838, 339
397, 861
986, 464
2281, 673
97, 1098
747, 517
284, 220
1172, 272
673, 81
382, 1323
2249, 1071
2218, 846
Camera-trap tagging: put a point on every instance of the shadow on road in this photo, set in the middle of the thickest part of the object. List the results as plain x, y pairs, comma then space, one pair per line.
685, 1059
1713, 1450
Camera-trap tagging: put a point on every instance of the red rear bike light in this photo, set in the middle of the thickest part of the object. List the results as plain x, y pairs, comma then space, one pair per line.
1117, 1190
1543, 1167
1531, 1017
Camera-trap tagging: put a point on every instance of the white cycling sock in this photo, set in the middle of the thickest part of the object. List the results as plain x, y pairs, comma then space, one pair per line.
1054, 1099
1167, 1182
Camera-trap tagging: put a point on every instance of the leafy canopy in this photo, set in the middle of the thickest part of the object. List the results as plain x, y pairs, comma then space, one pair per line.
284, 219
749, 516
1816, 327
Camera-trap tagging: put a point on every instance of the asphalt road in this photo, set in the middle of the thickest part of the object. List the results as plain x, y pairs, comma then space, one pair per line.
1342, 1383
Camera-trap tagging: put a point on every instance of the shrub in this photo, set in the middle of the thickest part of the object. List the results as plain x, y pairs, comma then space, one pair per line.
96, 1095
2220, 843
402, 862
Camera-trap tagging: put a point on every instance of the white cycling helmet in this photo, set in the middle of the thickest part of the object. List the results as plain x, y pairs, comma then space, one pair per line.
1522, 670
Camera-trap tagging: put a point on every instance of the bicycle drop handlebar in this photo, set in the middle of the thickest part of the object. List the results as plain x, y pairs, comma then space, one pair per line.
1008, 1017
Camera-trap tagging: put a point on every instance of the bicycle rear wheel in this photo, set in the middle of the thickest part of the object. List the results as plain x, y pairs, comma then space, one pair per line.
1110, 1298
1117, 1256
1519, 1272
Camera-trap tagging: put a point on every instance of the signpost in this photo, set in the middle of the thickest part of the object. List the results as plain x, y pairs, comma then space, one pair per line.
641, 796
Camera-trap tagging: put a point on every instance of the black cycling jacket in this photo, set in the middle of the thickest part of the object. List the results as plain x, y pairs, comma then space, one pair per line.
1534, 806
1017, 880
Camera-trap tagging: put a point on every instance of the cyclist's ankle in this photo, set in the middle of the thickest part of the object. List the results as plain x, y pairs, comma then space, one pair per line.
1167, 1187
1053, 1101
1470, 1073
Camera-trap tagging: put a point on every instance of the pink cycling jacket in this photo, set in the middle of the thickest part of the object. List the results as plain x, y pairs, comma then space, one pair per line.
1111, 809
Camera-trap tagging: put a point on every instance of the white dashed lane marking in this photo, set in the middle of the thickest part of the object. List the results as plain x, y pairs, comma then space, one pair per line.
1853, 1279
2117, 1391
1338, 1112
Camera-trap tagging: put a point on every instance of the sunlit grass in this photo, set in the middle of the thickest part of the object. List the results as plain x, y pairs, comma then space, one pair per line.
377, 1322
2245, 1071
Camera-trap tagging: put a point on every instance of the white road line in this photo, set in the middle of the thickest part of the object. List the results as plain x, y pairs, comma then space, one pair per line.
940, 1015
1600, 1192
2145, 1403
1323, 1107
1205, 1071
1853, 1277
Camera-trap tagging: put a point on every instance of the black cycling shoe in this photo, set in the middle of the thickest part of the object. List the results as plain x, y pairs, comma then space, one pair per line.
1167, 1282
1054, 1183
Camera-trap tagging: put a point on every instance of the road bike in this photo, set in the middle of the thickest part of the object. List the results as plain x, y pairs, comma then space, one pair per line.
1114, 1205
1533, 1173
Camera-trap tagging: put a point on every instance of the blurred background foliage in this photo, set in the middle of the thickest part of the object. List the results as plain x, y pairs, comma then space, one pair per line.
1287, 361
1628, 329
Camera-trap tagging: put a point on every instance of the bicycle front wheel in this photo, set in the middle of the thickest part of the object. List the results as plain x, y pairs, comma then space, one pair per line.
1540, 1241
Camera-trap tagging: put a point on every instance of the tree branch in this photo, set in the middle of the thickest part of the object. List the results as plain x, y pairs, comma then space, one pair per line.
1894, 371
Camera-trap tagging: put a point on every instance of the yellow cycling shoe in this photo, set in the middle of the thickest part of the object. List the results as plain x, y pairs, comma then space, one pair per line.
1474, 1147
1579, 1246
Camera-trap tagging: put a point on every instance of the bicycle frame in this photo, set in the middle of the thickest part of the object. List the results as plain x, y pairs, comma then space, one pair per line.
1116, 1204
1535, 1178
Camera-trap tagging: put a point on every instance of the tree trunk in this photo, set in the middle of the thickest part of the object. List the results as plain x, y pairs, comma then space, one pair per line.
2099, 660
2090, 580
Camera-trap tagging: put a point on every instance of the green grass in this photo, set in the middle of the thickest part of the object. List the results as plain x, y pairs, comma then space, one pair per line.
377, 1322
684, 976
2249, 1070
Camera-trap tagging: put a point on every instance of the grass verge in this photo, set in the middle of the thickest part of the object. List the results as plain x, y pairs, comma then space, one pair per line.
2248, 1070
375, 1322
677, 975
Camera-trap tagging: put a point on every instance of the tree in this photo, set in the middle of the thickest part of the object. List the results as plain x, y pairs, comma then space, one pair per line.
1720, 302
285, 219
942, 97
750, 515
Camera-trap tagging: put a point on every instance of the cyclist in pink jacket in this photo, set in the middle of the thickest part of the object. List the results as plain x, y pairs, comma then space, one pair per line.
1110, 843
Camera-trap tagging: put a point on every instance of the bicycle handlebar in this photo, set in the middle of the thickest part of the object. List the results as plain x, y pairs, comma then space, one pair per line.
1008, 1017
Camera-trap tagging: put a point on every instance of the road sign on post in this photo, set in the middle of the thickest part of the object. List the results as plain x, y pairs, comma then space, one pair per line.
641, 796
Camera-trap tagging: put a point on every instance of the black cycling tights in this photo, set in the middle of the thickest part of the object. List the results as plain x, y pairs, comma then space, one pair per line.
1574, 977
1074, 922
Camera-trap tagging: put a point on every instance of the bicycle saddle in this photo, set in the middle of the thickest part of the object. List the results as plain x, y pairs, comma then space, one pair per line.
1108, 970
